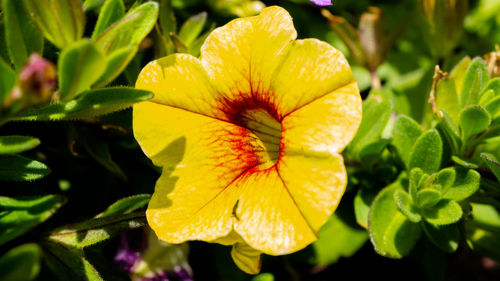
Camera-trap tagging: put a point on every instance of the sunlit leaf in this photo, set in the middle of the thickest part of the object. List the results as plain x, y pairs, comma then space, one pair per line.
19, 168
17, 144
21, 263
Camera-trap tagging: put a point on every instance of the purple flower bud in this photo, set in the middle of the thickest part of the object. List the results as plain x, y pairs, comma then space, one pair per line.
125, 257
322, 2
38, 78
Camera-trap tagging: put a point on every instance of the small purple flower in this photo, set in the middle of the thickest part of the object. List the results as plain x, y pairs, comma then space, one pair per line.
322, 2
126, 257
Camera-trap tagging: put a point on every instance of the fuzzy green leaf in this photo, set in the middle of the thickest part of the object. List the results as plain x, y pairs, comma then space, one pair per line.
21, 263
21, 35
376, 114
62, 27
405, 205
130, 30
406, 133
96, 230
445, 237
476, 78
464, 163
493, 106
126, 205
427, 152
116, 62
67, 264
451, 130
466, 184
447, 98
416, 176
7, 79
362, 202
91, 104
445, 212
337, 238
427, 197
19, 168
79, 66
445, 178
21, 214
192, 27
473, 120
17, 144
111, 12
492, 163
391, 233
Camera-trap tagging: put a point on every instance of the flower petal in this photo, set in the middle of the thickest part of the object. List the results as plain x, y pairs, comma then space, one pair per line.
268, 217
246, 258
327, 124
316, 184
241, 56
179, 81
201, 157
311, 69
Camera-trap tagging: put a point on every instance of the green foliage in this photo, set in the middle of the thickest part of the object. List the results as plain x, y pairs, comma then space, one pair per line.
17, 144
19, 168
21, 263
426, 153
21, 214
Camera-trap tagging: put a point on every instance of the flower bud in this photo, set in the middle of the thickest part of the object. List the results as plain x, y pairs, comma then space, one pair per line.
239, 8
372, 37
442, 23
35, 85
492, 61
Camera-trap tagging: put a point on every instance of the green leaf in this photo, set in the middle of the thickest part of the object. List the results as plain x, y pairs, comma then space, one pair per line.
21, 263
168, 24
21, 35
195, 47
126, 205
91, 104
445, 178
416, 176
447, 98
406, 133
483, 231
492, 163
493, 85
18, 215
427, 197
111, 12
464, 163
445, 237
130, 30
427, 152
459, 72
465, 185
192, 27
116, 62
19, 168
391, 233
371, 153
447, 211
450, 130
62, 27
476, 78
337, 239
17, 144
79, 66
264, 277
68, 264
96, 230
473, 120
493, 106
405, 206
179, 46
362, 202
7, 79
486, 216
376, 114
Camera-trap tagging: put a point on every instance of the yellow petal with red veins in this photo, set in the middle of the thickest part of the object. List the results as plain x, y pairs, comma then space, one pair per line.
327, 124
316, 184
311, 69
180, 81
241, 56
269, 219
201, 157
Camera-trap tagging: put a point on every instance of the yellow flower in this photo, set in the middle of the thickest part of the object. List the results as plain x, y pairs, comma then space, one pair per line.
249, 138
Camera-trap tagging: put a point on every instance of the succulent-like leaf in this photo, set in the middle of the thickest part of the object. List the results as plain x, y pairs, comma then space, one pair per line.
445, 237
391, 233
492, 163
19, 168
445, 178
447, 211
406, 206
416, 176
475, 80
91, 104
473, 120
21, 263
427, 152
21, 214
466, 184
362, 202
17, 144
406, 133
111, 12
